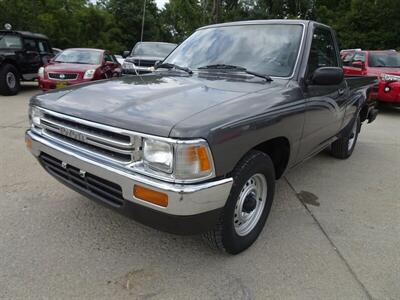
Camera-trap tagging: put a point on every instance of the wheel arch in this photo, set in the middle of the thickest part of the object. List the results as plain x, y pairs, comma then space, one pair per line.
8, 61
278, 149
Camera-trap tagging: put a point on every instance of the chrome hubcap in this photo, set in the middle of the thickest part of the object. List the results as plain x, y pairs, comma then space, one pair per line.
11, 80
352, 136
250, 204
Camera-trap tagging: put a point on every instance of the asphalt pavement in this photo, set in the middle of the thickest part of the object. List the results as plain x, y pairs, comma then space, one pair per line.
333, 232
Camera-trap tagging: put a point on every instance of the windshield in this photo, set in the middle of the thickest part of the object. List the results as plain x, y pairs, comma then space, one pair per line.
384, 59
10, 42
80, 57
152, 49
266, 49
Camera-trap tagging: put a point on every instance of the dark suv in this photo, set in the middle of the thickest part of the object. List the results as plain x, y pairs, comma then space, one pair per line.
21, 55
145, 55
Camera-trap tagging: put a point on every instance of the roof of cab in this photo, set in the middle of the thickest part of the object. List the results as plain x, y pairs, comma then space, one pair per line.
261, 22
26, 34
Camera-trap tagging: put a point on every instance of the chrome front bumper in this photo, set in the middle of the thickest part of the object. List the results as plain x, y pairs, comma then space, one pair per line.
183, 199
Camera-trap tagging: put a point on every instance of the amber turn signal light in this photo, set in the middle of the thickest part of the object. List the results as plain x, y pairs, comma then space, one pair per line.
28, 142
151, 196
203, 159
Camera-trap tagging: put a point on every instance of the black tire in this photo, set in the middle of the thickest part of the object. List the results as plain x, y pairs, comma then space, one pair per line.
343, 147
9, 80
224, 235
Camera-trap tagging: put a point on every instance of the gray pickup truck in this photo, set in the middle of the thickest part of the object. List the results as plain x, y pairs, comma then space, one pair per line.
196, 146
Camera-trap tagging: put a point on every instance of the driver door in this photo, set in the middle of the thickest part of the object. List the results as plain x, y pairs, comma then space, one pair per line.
325, 104
31, 58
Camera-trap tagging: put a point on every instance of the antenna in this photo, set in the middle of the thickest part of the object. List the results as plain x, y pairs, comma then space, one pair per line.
144, 14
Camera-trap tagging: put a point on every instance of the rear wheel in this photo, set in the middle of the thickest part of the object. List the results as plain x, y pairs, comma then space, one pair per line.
9, 80
343, 148
248, 205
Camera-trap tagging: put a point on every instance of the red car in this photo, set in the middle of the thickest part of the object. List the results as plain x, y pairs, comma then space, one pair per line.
78, 65
383, 64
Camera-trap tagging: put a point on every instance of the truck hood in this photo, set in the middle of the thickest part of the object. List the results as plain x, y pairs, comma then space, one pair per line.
150, 104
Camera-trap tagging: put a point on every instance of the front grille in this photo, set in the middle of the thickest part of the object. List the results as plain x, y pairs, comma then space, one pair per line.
63, 76
108, 142
144, 63
100, 188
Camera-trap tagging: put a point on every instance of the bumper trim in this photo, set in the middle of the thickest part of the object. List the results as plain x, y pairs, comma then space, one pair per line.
184, 199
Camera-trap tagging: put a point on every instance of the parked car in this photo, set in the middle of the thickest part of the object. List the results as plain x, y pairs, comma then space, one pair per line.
196, 146
346, 52
78, 65
383, 64
22, 53
144, 56
120, 59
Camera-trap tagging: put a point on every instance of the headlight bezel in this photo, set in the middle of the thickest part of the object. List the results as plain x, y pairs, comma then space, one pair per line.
154, 164
35, 114
174, 175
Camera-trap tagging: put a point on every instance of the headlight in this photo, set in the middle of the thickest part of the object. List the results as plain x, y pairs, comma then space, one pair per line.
390, 77
89, 74
41, 72
158, 155
178, 160
34, 116
128, 65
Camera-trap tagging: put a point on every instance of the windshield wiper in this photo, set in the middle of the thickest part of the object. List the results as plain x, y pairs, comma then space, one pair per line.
170, 66
237, 68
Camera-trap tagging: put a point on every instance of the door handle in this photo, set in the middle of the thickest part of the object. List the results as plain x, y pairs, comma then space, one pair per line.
341, 92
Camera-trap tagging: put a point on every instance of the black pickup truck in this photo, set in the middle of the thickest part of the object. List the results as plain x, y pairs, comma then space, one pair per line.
22, 53
196, 146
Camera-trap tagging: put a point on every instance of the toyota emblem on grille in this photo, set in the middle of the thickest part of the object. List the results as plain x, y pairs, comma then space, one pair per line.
62, 76
72, 134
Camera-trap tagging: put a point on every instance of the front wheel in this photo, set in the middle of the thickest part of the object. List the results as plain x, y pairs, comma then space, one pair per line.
343, 148
248, 204
9, 80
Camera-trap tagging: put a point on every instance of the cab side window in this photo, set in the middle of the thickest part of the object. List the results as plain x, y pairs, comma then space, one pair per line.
347, 59
30, 45
43, 47
322, 52
359, 56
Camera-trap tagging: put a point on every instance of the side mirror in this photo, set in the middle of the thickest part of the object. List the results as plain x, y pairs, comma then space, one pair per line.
125, 54
327, 76
158, 62
358, 64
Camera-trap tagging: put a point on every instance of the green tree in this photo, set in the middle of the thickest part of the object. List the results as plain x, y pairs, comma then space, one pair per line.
128, 17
